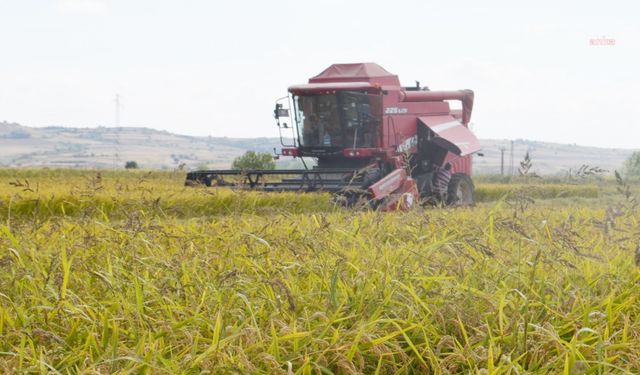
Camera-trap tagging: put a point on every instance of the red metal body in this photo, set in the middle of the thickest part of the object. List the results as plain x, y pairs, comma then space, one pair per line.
408, 119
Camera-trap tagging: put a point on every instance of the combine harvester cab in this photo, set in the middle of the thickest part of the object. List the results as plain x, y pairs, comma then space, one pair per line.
371, 137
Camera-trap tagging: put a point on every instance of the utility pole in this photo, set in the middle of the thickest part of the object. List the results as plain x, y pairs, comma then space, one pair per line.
116, 156
502, 150
511, 171
117, 102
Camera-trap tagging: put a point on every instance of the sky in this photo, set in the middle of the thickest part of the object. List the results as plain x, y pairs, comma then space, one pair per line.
216, 67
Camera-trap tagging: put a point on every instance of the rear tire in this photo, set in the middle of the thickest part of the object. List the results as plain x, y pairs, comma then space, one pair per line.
460, 191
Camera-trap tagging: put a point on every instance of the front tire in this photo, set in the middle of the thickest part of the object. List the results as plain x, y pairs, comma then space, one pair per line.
460, 191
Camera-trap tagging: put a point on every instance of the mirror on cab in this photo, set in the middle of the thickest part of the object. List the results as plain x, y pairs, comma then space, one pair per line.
279, 111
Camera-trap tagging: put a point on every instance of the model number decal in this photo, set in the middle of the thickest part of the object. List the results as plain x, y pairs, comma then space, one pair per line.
395, 110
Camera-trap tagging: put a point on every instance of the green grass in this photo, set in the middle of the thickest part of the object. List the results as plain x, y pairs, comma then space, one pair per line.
488, 192
242, 282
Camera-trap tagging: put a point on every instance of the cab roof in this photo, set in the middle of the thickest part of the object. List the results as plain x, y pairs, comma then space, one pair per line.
360, 72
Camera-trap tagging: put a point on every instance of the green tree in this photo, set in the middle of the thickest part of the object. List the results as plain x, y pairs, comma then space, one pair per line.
632, 165
254, 160
131, 165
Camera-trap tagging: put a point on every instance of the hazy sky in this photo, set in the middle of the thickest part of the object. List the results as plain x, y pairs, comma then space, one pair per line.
216, 67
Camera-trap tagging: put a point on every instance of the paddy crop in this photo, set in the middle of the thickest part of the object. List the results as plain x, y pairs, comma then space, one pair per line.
134, 273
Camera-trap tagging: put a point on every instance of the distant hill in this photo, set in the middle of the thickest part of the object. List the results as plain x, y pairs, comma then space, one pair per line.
547, 158
107, 147
104, 147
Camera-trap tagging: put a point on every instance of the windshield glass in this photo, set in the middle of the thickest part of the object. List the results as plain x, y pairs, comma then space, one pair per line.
345, 119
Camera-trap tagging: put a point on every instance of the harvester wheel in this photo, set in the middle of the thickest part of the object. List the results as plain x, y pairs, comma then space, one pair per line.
460, 191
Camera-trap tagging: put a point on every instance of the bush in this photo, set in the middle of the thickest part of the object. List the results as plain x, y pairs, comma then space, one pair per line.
632, 165
131, 165
254, 160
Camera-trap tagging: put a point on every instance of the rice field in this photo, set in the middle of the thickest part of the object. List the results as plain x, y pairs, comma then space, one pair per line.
130, 272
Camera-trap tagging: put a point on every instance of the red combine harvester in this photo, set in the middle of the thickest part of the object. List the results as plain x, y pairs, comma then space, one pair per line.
371, 137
